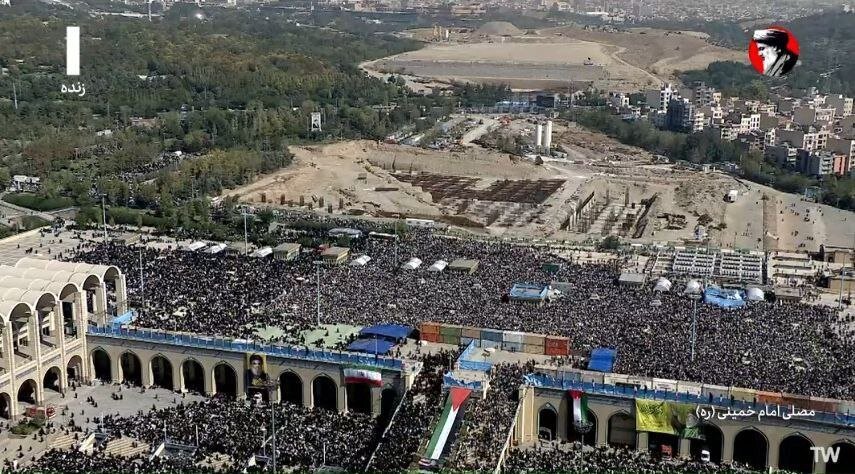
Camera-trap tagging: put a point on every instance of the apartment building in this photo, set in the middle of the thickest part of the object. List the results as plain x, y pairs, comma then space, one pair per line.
842, 105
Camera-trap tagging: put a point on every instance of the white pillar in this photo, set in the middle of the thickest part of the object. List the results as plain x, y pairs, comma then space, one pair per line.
121, 295
101, 305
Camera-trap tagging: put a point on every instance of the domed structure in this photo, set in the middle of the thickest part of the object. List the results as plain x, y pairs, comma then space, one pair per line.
693, 286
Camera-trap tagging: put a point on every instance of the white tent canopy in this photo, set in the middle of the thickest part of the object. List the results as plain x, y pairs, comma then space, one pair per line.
412, 264
216, 248
693, 286
194, 246
662, 284
438, 266
262, 252
755, 294
360, 261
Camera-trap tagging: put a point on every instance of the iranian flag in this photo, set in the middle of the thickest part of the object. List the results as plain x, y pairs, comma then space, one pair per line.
363, 375
580, 411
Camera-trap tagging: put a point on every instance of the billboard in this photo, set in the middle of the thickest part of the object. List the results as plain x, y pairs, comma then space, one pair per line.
256, 380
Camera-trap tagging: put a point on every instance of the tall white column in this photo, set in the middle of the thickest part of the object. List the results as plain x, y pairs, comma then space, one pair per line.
101, 305
121, 295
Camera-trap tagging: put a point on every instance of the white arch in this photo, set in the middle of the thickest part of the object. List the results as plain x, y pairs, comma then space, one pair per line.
103, 272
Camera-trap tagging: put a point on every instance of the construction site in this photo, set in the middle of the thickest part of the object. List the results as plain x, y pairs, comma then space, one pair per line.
561, 182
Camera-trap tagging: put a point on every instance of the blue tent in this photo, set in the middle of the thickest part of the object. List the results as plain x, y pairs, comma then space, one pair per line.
371, 346
389, 331
724, 298
602, 359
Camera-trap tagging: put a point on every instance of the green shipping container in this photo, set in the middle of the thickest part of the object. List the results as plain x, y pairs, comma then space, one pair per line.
450, 339
451, 330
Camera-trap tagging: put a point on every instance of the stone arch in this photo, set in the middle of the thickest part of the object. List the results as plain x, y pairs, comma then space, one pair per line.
387, 402
713, 442
225, 380
28, 392
52, 379
131, 368
751, 447
68, 299
795, 455
291, 387
359, 397
193, 376
161, 372
845, 458
622, 429
324, 392
102, 367
5, 406
547, 422
74, 369
589, 437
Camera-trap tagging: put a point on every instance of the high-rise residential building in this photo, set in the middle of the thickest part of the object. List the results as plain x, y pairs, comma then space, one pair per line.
815, 163
810, 141
683, 116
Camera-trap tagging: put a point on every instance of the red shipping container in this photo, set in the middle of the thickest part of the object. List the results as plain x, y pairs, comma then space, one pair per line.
556, 351
430, 337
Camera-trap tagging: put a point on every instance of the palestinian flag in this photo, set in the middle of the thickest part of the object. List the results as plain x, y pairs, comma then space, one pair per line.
580, 411
456, 397
367, 375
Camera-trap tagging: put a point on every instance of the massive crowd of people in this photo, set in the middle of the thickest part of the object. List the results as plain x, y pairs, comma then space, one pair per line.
573, 457
487, 422
411, 424
305, 437
795, 348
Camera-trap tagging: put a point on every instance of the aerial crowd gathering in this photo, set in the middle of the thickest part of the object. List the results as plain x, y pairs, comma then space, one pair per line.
222, 295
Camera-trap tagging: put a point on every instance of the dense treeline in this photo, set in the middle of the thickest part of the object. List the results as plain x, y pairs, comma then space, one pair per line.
827, 44
192, 105
708, 147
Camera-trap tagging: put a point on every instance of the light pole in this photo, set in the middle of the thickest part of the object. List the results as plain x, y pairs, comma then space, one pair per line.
142, 282
695, 297
104, 217
318, 264
245, 235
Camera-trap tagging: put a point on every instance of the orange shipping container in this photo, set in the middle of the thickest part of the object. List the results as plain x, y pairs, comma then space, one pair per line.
430, 328
770, 398
430, 337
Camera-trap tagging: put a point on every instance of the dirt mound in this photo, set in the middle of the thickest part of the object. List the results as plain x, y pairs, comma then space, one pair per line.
498, 28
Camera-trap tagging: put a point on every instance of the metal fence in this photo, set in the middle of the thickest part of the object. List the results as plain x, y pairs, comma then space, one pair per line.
222, 344
464, 364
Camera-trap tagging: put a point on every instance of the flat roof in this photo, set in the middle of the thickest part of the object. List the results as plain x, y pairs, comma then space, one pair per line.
464, 263
287, 247
528, 291
633, 277
335, 251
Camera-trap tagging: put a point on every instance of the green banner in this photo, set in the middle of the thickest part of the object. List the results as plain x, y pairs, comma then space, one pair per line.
677, 419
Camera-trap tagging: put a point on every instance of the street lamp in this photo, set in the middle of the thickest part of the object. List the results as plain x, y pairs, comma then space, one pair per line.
318, 264
694, 291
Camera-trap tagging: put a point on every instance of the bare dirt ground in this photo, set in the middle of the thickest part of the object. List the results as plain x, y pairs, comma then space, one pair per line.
660, 52
631, 60
522, 62
489, 192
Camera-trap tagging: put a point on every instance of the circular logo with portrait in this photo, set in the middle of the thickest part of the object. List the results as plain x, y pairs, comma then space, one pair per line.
773, 51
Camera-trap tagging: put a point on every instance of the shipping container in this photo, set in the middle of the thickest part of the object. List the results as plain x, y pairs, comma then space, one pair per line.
430, 337
513, 336
488, 344
744, 394
772, 398
688, 387
716, 391
430, 328
590, 376
826, 405
536, 339
512, 346
491, 335
614, 379
474, 333
665, 385
555, 350
450, 339
532, 349
450, 330
464, 341
798, 401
